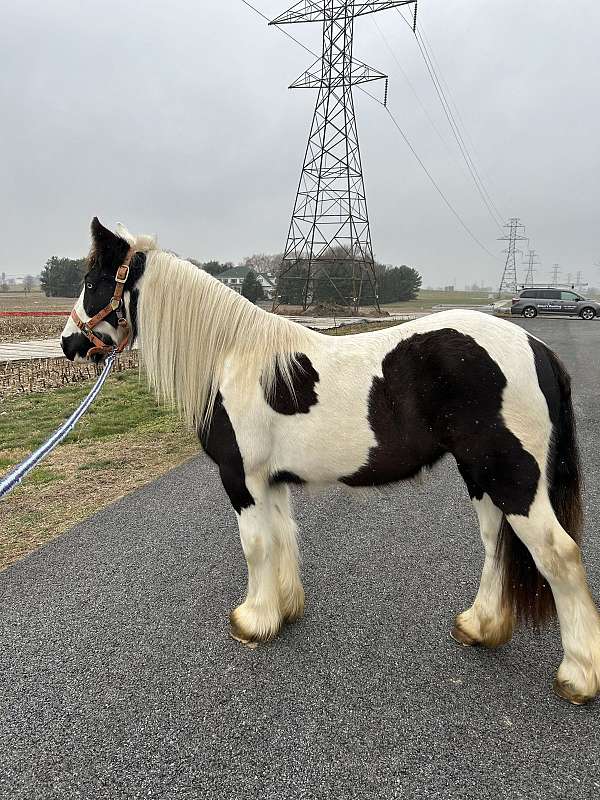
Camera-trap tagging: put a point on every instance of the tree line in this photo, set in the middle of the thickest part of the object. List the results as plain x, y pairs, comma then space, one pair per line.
332, 281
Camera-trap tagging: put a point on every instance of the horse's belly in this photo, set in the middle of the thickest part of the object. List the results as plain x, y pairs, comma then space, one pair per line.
322, 453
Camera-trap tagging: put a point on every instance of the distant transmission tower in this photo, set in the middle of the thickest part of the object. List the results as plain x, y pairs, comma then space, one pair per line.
555, 272
531, 265
329, 238
508, 282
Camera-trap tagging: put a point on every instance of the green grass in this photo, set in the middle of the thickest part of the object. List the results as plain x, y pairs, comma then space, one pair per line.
124, 406
431, 297
41, 475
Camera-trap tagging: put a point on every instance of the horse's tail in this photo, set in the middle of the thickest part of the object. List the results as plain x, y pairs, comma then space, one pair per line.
525, 590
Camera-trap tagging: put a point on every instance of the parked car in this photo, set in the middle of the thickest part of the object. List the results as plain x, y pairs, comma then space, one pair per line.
548, 300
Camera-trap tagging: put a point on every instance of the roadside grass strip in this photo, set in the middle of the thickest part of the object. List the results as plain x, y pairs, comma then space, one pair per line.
123, 442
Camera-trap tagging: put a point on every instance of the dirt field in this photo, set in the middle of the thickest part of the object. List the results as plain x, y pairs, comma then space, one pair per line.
21, 329
34, 301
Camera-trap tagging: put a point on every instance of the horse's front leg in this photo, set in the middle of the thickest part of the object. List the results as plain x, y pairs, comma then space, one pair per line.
291, 592
259, 617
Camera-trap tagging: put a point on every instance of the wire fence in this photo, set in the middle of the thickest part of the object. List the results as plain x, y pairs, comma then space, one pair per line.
42, 374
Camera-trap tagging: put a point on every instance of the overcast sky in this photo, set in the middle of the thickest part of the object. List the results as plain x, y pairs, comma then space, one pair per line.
175, 118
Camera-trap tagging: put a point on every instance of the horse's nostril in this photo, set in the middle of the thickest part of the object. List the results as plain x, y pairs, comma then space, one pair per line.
69, 346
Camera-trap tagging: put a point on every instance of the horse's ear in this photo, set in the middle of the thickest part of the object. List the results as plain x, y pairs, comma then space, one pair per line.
108, 249
101, 236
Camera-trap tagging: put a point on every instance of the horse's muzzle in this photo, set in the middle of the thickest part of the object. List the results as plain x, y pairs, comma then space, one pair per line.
76, 346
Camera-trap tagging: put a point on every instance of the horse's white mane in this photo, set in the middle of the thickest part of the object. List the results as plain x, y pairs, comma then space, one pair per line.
190, 324
141, 244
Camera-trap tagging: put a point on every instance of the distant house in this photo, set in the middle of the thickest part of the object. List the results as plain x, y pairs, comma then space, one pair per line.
267, 281
234, 278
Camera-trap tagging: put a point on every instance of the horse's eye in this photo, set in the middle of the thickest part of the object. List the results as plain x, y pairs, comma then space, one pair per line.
90, 285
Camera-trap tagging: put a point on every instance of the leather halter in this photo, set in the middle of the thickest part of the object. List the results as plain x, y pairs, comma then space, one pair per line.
116, 305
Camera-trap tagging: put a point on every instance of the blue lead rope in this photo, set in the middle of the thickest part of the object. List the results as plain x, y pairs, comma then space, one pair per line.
14, 478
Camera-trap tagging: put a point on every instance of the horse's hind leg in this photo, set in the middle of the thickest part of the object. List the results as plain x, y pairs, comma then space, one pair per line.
291, 592
259, 617
489, 621
558, 558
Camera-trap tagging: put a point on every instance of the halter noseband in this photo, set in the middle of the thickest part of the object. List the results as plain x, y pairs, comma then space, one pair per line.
116, 305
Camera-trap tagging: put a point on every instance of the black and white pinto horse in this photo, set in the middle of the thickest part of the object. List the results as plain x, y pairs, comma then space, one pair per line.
275, 403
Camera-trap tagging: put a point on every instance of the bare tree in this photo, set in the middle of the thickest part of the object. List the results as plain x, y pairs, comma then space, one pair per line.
262, 262
28, 283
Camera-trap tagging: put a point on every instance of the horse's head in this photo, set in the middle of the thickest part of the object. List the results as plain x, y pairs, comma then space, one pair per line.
105, 315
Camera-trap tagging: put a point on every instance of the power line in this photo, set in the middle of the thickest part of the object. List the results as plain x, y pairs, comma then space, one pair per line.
457, 134
281, 30
412, 88
400, 131
457, 110
431, 121
427, 55
439, 191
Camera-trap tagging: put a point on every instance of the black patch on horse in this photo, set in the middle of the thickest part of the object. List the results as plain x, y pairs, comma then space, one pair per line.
220, 444
301, 396
285, 477
563, 468
544, 368
100, 285
441, 392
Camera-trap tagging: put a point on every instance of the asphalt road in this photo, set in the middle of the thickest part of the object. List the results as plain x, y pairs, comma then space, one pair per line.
118, 678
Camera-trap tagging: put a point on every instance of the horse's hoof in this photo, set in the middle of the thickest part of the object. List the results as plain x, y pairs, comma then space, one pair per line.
243, 628
565, 691
461, 637
247, 643
236, 632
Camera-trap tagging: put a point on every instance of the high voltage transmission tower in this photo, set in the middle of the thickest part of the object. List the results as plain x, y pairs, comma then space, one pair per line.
508, 282
328, 252
532, 263
555, 271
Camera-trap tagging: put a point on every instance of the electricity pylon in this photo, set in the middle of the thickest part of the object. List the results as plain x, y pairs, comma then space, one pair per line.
508, 282
555, 271
329, 238
531, 265
579, 282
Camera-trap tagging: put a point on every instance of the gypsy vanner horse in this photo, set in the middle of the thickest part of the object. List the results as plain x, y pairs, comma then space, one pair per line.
275, 403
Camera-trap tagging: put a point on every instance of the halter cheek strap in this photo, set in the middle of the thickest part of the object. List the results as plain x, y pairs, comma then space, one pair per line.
116, 305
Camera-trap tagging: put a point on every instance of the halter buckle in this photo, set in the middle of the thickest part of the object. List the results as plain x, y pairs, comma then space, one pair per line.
124, 267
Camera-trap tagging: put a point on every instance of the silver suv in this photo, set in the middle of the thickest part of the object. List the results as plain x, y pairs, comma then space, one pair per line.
531, 302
